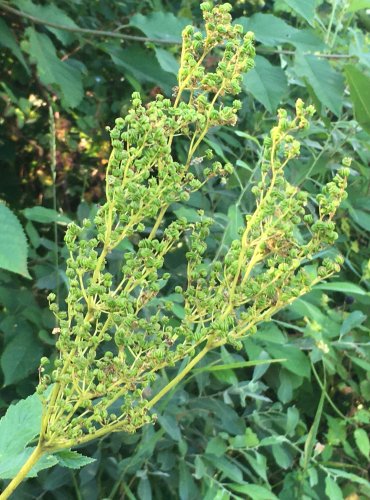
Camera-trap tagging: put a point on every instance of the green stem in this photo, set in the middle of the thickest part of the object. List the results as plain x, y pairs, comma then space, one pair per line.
16, 481
173, 383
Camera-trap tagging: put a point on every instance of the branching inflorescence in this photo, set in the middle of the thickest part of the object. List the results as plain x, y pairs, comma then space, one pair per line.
112, 341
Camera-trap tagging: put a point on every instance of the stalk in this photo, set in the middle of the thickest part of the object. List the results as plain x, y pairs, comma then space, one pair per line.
22, 474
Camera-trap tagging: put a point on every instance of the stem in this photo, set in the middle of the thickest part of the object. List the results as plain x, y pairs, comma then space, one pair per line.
180, 376
16, 481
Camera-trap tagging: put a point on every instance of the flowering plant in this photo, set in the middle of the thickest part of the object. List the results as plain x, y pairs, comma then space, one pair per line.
112, 340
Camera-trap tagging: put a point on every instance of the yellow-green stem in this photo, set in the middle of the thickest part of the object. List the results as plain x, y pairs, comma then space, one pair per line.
22, 474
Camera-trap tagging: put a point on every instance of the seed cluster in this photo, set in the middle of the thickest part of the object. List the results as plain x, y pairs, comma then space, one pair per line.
112, 340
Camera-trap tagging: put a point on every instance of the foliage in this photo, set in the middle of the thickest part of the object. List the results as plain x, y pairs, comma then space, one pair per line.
256, 420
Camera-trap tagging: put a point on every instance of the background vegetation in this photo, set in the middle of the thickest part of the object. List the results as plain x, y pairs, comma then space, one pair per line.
290, 430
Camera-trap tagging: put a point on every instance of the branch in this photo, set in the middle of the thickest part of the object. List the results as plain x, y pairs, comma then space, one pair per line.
122, 36
85, 31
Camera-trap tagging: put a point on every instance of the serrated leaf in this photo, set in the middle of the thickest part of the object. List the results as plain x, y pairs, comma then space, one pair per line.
326, 82
13, 243
7, 39
153, 25
72, 459
20, 357
19, 426
10, 467
45, 215
304, 9
267, 83
53, 71
359, 85
362, 442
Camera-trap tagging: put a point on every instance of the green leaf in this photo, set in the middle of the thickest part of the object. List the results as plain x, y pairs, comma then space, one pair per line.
332, 489
10, 467
170, 425
341, 286
19, 426
268, 29
13, 243
20, 357
356, 5
45, 215
144, 490
167, 61
50, 13
353, 320
141, 64
227, 468
53, 71
296, 361
236, 221
254, 491
160, 25
304, 9
359, 85
72, 459
359, 216
326, 82
239, 364
216, 446
7, 39
362, 442
267, 83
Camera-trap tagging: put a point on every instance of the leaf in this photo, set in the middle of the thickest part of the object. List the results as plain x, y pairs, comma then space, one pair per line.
362, 442
19, 426
254, 491
13, 243
10, 467
353, 320
239, 364
341, 286
144, 489
226, 467
236, 221
45, 215
50, 13
160, 25
20, 357
167, 61
170, 425
332, 489
296, 362
305, 9
216, 446
326, 82
141, 64
267, 83
72, 459
311, 436
359, 216
356, 5
53, 71
268, 29
359, 85
7, 39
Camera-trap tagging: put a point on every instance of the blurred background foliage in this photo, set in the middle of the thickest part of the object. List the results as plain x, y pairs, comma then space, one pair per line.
296, 429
